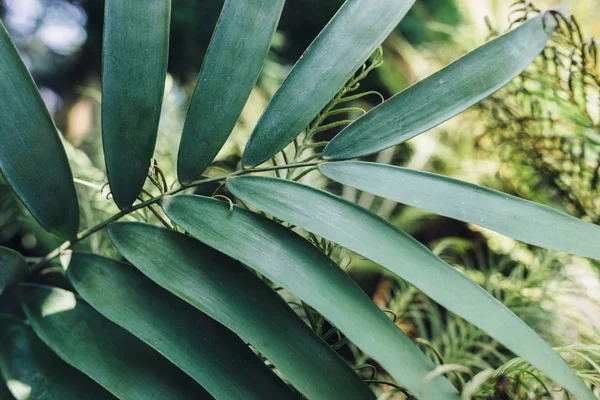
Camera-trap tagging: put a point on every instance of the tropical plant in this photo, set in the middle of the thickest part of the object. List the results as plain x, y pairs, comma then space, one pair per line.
178, 322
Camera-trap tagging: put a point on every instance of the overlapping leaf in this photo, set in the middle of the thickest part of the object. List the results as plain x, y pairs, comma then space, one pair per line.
233, 62
35, 372
134, 67
444, 94
353, 34
520, 219
234, 296
32, 157
200, 346
290, 261
108, 354
370, 236
12, 267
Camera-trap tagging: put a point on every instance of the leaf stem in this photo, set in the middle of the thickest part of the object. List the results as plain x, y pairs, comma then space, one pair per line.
154, 200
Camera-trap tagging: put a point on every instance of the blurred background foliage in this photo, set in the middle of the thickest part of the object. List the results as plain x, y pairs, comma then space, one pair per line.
539, 138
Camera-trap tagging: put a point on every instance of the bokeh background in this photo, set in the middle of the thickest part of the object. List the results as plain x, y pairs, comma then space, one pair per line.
539, 147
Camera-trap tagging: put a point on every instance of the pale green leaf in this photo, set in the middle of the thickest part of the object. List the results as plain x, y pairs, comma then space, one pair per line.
230, 293
444, 94
520, 219
108, 354
353, 34
135, 52
262, 245
206, 350
372, 237
233, 62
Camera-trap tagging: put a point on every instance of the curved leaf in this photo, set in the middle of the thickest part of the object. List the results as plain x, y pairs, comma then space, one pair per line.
33, 371
444, 94
234, 296
108, 354
520, 219
230, 70
372, 237
32, 157
329, 62
200, 346
12, 267
134, 67
261, 244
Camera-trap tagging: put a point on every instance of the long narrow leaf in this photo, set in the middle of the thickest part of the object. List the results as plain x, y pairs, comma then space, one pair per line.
134, 67
520, 219
234, 296
261, 244
372, 237
12, 267
33, 371
206, 350
32, 157
444, 94
108, 354
340, 49
231, 67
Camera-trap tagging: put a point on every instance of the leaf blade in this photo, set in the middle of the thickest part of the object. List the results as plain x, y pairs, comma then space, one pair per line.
108, 354
232, 65
35, 372
261, 244
338, 52
133, 82
200, 346
238, 299
518, 218
444, 94
32, 157
12, 267
370, 236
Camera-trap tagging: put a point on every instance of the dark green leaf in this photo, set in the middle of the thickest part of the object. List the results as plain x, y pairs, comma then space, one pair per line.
35, 372
231, 67
134, 67
108, 354
365, 233
12, 267
261, 244
32, 157
338, 52
234, 296
200, 346
520, 219
444, 94
5, 394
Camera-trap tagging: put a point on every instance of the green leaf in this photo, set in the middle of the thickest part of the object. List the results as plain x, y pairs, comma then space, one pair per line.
32, 157
444, 94
232, 65
237, 298
372, 237
33, 371
134, 68
261, 244
200, 346
12, 267
108, 354
520, 219
5, 394
349, 39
